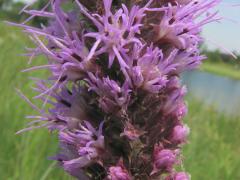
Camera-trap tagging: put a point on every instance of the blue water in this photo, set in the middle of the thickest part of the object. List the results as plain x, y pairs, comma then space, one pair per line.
221, 92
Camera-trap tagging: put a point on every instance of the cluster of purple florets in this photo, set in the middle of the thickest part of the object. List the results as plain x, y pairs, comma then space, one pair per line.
114, 89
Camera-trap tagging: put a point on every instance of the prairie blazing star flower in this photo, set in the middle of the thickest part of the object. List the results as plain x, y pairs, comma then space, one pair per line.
114, 88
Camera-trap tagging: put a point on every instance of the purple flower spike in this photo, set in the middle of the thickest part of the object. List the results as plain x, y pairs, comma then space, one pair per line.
117, 62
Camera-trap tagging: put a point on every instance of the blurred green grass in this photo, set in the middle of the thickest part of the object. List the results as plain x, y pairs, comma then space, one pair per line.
213, 149
22, 157
212, 152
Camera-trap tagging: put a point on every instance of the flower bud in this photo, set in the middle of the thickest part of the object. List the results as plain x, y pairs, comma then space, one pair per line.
118, 172
180, 133
164, 159
178, 176
181, 176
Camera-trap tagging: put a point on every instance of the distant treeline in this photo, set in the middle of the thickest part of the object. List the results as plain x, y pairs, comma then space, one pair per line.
9, 10
219, 57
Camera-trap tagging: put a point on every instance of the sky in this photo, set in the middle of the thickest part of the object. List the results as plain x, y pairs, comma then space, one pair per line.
227, 33
224, 35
